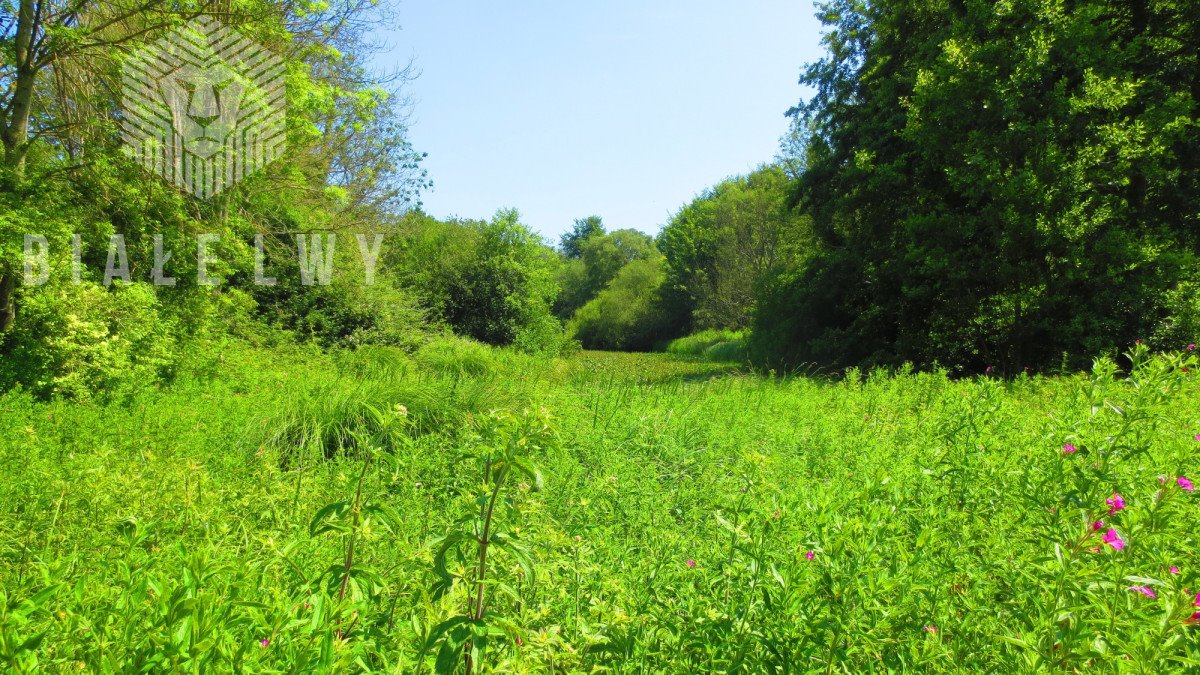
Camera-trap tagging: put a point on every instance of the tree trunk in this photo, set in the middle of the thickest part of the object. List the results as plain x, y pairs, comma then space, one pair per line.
8, 285
15, 129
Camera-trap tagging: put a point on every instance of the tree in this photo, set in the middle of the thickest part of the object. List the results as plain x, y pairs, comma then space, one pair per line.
991, 187
507, 285
721, 245
628, 313
584, 229
601, 258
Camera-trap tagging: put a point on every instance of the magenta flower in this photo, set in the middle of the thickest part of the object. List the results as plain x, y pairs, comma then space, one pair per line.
691, 563
810, 555
1185, 484
1097, 526
1192, 347
264, 642
1115, 503
1144, 591
1198, 438
1174, 570
1069, 449
1114, 540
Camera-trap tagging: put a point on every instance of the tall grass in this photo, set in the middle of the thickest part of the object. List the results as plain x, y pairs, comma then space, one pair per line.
694, 519
713, 345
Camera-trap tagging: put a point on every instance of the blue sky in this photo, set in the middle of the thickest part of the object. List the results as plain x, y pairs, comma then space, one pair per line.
625, 109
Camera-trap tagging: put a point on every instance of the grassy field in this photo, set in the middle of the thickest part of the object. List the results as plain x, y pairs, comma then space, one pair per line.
295, 511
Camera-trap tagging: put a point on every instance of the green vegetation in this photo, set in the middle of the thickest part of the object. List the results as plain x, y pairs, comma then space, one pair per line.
299, 510
712, 344
435, 471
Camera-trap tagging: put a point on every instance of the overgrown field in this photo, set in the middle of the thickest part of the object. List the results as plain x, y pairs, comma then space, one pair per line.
299, 511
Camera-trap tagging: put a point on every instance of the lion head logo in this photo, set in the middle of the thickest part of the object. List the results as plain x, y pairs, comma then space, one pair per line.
204, 107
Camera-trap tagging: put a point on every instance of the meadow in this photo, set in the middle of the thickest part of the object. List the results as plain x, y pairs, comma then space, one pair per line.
464, 508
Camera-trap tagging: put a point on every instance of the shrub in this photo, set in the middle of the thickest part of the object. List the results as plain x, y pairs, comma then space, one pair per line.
82, 341
627, 314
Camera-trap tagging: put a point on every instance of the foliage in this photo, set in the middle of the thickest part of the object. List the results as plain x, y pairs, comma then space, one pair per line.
583, 230
990, 185
626, 315
601, 258
692, 520
720, 246
712, 344
507, 286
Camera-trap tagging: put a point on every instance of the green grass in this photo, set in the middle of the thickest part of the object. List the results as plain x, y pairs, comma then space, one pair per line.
712, 345
183, 527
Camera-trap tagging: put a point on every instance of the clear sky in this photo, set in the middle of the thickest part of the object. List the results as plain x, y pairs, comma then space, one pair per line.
621, 108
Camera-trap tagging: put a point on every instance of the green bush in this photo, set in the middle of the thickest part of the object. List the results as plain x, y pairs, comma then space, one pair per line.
626, 315
84, 341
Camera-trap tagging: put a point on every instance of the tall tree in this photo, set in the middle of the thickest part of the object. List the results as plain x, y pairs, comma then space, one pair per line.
584, 229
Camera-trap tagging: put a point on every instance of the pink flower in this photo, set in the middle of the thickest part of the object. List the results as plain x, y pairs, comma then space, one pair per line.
1198, 438
1192, 347
810, 555
989, 369
1137, 342
691, 563
1185, 484
930, 629
1114, 540
1069, 449
1174, 570
264, 642
1144, 591
1115, 503
1097, 526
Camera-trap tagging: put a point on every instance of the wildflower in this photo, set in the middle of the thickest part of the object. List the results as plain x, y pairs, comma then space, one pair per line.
1097, 526
1185, 484
1174, 569
264, 642
691, 563
810, 555
990, 369
1114, 540
1144, 591
1115, 503
931, 629
1198, 438
1137, 342
1192, 347
1069, 449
